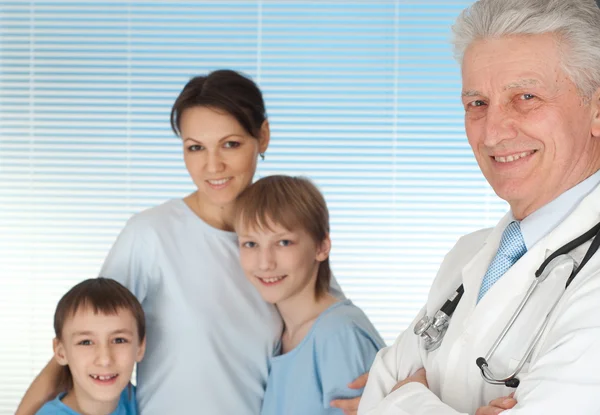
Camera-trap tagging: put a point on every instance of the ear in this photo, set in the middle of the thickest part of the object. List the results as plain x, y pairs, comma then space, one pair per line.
59, 352
595, 128
323, 249
265, 136
141, 351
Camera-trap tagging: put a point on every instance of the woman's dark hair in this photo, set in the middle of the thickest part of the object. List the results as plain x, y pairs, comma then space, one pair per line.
225, 90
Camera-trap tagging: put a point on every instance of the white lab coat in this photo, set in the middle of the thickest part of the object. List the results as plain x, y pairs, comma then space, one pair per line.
563, 374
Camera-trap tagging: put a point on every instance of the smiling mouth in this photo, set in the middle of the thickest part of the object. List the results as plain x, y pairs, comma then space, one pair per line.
513, 157
271, 280
104, 378
219, 182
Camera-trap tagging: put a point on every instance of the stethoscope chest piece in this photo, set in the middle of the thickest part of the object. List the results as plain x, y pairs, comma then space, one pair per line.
432, 330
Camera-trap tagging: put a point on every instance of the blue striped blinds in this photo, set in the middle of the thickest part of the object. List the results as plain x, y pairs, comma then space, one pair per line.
363, 97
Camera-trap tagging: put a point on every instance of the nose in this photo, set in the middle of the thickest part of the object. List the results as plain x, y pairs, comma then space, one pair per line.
266, 261
103, 355
499, 125
214, 163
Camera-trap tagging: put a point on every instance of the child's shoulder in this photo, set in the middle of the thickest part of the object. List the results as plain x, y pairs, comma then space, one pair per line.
343, 315
344, 321
345, 343
56, 407
128, 402
127, 405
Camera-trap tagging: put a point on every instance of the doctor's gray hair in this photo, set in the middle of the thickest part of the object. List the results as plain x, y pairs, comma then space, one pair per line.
575, 22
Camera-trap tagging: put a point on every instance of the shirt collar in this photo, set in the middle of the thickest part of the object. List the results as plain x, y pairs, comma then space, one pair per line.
537, 225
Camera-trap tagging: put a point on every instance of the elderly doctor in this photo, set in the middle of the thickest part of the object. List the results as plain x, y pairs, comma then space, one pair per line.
531, 94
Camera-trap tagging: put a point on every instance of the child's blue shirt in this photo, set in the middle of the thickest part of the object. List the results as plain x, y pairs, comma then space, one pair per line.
340, 346
127, 405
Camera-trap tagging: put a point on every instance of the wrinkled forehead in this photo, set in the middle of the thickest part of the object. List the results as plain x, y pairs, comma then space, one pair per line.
511, 62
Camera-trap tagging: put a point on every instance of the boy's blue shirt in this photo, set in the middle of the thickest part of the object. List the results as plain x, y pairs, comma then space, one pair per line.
127, 405
340, 346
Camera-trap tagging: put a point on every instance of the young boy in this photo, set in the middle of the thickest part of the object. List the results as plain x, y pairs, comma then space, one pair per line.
100, 334
282, 224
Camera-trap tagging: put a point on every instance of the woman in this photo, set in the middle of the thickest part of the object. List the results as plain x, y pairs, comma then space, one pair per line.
210, 335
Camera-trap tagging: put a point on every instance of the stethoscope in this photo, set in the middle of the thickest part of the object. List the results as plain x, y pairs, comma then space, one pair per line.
432, 330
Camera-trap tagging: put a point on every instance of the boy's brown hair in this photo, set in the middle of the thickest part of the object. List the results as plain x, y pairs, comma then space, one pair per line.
102, 295
291, 202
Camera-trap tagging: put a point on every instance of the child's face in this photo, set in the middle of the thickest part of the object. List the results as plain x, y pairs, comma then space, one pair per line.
280, 263
101, 351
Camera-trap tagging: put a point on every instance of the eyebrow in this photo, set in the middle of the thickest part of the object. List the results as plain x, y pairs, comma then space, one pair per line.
91, 333
82, 333
471, 93
513, 85
123, 331
521, 83
220, 139
282, 234
276, 235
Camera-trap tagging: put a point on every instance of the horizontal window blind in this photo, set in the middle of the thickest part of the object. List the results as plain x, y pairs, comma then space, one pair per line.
363, 97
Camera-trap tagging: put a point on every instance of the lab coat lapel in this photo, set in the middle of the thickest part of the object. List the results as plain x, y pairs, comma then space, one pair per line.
585, 215
467, 321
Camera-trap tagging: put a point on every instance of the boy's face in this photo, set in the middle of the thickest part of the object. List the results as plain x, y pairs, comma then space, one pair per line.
101, 351
280, 263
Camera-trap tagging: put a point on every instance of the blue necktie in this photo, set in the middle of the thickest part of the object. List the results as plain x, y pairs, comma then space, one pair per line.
512, 247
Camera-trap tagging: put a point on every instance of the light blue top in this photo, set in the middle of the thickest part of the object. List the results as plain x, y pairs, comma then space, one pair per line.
537, 225
209, 333
127, 405
340, 346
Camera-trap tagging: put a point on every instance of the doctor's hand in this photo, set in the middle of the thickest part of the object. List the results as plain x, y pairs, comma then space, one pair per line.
350, 406
419, 376
498, 405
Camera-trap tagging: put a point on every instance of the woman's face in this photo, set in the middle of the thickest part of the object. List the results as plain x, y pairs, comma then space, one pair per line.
219, 154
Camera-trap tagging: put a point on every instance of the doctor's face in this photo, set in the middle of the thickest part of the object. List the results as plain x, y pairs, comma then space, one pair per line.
532, 133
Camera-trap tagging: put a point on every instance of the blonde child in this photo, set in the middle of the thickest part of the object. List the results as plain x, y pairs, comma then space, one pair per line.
282, 224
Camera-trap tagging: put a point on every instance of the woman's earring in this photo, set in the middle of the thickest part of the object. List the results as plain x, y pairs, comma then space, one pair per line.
262, 156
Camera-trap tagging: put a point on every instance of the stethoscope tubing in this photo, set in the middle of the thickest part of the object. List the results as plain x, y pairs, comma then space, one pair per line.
487, 374
512, 320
